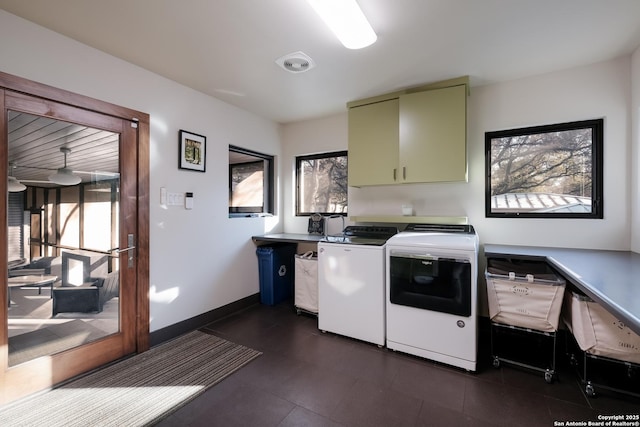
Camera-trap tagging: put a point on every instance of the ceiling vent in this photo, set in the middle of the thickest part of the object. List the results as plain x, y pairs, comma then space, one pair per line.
297, 62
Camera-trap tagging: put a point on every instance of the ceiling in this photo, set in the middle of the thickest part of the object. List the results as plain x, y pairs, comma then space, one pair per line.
34, 150
228, 48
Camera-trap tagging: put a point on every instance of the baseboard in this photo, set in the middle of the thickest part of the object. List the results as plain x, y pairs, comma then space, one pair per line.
188, 325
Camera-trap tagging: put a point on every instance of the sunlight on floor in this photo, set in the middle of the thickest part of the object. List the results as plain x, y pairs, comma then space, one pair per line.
136, 405
34, 323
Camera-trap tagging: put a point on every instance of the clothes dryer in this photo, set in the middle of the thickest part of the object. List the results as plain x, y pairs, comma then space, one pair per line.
432, 293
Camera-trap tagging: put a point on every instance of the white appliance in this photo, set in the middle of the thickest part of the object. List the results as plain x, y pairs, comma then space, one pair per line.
432, 293
351, 289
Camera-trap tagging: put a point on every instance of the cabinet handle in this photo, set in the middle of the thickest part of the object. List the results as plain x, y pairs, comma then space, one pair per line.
394, 174
404, 172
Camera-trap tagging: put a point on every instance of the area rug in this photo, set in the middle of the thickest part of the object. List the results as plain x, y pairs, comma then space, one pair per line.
138, 391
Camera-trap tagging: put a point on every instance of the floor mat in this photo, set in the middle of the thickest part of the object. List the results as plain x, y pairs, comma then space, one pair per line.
137, 391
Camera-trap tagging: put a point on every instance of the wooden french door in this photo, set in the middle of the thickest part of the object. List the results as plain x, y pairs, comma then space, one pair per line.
126, 257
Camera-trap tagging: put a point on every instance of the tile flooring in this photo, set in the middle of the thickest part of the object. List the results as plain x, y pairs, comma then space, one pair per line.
308, 378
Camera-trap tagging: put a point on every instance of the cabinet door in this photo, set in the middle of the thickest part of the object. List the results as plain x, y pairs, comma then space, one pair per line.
433, 136
373, 143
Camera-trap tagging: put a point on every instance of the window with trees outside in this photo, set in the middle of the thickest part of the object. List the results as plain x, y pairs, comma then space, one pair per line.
250, 182
552, 171
321, 181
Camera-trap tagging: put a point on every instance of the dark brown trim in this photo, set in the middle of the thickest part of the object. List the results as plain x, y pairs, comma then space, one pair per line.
188, 325
4, 166
142, 244
46, 92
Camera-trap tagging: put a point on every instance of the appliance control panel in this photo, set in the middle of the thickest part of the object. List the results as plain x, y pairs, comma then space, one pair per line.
372, 231
440, 228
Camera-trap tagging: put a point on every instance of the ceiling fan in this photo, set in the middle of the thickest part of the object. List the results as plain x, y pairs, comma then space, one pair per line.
64, 175
15, 186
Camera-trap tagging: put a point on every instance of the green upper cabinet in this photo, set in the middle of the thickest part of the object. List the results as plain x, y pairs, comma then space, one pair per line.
373, 143
433, 135
416, 137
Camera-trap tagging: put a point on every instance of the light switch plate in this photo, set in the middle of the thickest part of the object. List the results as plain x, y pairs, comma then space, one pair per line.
175, 199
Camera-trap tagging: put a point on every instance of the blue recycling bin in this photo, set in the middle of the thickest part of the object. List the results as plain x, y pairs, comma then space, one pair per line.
276, 269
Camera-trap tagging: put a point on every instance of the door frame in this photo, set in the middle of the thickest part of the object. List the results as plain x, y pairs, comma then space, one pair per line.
47, 94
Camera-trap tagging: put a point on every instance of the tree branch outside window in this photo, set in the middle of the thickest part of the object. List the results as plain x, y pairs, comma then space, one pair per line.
545, 171
321, 181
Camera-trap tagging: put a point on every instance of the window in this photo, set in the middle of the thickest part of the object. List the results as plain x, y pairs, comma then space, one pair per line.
321, 182
552, 171
250, 182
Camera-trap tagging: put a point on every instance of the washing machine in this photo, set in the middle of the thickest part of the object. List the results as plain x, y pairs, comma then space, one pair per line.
351, 291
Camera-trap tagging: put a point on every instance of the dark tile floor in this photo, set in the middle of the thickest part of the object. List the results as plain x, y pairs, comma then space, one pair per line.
308, 378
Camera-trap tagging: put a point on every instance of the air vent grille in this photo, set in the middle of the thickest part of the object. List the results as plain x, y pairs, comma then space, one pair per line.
297, 62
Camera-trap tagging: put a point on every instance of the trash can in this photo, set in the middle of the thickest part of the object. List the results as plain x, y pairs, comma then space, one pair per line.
276, 270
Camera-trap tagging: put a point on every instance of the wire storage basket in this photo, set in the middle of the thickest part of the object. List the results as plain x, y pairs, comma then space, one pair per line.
525, 301
609, 350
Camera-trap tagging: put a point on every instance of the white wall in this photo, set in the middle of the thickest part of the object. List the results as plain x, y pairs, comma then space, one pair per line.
635, 138
598, 90
200, 259
321, 135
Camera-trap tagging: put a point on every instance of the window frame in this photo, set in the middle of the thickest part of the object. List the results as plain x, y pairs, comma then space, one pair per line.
597, 129
268, 190
326, 155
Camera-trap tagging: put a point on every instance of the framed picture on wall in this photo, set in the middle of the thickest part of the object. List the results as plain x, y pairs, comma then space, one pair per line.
192, 151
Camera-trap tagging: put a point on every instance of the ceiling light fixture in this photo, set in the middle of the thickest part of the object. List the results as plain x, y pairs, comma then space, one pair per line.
15, 186
64, 175
346, 20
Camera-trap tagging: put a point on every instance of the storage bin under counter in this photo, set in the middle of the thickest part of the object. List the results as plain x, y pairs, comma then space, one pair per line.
604, 350
524, 294
525, 299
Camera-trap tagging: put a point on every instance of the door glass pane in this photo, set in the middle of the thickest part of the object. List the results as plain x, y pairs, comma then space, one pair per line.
63, 283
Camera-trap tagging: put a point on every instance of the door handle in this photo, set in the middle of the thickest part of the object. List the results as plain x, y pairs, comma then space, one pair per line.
130, 248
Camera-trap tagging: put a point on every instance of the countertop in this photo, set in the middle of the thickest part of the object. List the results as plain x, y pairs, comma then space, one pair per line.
287, 238
612, 278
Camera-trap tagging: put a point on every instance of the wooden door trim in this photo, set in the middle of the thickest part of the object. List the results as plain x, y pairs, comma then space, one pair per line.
46, 92
4, 250
142, 253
